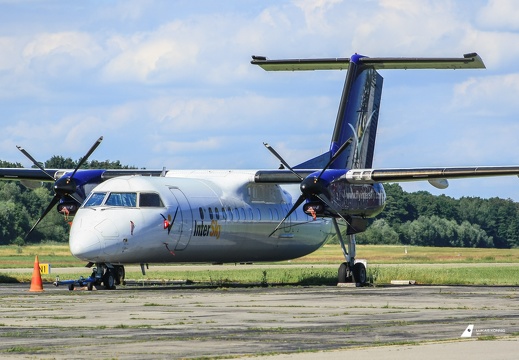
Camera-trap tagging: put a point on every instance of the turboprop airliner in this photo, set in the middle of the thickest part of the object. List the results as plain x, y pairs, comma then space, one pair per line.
236, 216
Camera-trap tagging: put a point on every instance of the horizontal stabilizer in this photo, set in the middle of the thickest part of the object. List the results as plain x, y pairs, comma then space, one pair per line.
468, 61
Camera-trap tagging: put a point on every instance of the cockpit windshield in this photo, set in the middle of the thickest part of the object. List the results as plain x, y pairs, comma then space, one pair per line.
95, 199
124, 199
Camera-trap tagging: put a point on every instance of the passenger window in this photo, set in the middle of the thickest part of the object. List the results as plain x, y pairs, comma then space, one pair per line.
229, 213
201, 213
236, 214
224, 214
258, 212
95, 199
150, 200
122, 199
210, 213
217, 213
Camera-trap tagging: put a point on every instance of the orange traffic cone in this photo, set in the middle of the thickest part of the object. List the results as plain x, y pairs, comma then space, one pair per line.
36, 283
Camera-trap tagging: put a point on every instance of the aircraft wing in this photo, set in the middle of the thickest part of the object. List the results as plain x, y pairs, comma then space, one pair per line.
27, 174
468, 61
38, 175
369, 176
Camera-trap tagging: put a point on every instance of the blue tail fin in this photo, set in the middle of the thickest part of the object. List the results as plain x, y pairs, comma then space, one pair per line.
357, 117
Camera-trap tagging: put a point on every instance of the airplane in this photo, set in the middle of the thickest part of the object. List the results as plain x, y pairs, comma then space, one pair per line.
126, 217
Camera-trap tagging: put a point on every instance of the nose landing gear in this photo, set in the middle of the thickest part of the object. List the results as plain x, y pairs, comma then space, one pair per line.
108, 275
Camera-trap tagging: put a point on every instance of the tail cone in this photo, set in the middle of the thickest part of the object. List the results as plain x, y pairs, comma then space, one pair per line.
36, 283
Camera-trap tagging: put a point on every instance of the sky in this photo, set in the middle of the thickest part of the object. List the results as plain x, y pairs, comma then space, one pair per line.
170, 84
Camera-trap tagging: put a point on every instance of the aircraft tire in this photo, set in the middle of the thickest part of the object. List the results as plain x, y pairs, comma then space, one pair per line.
359, 273
343, 273
71, 287
109, 280
119, 275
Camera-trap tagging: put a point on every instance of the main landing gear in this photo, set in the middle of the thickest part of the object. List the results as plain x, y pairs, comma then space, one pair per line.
350, 271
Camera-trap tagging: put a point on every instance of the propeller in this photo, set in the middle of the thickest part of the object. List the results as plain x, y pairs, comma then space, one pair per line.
311, 186
64, 186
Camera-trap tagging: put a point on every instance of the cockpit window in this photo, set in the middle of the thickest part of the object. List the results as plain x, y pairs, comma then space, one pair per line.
95, 199
150, 200
122, 199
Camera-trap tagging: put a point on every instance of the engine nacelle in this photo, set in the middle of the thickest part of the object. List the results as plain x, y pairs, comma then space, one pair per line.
364, 200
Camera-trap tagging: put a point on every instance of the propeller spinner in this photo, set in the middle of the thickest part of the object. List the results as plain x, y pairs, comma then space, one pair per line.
65, 186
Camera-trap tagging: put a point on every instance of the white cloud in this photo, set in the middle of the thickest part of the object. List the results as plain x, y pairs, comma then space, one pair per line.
156, 57
495, 47
500, 14
316, 14
488, 96
62, 54
410, 28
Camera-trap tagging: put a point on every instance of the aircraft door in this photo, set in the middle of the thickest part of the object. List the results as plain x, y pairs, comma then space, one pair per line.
184, 219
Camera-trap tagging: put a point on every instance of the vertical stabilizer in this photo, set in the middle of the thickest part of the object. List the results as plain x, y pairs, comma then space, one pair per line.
357, 117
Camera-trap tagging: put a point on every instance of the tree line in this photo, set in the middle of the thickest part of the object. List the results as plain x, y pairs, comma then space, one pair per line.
418, 218
421, 218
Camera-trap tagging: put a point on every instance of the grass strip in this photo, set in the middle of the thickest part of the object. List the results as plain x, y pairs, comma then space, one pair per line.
378, 274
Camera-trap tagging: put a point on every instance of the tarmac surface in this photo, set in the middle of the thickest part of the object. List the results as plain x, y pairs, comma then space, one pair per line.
324, 322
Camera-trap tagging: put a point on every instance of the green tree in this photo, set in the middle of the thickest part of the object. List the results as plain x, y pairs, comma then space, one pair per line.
398, 210
13, 223
380, 232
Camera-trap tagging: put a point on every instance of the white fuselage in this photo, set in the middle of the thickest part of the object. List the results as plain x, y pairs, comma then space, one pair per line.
212, 216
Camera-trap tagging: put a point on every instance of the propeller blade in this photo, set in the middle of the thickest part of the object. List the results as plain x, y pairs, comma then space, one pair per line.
85, 158
336, 155
37, 164
296, 205
53, 203
77, 198
274, 152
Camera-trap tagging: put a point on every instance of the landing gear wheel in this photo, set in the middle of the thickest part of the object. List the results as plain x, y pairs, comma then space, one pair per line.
109, 279
344, 274
71, 287
90, 286
359, 273
119, 274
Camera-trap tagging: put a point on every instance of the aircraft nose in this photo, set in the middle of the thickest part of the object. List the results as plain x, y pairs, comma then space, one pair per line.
85, 245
